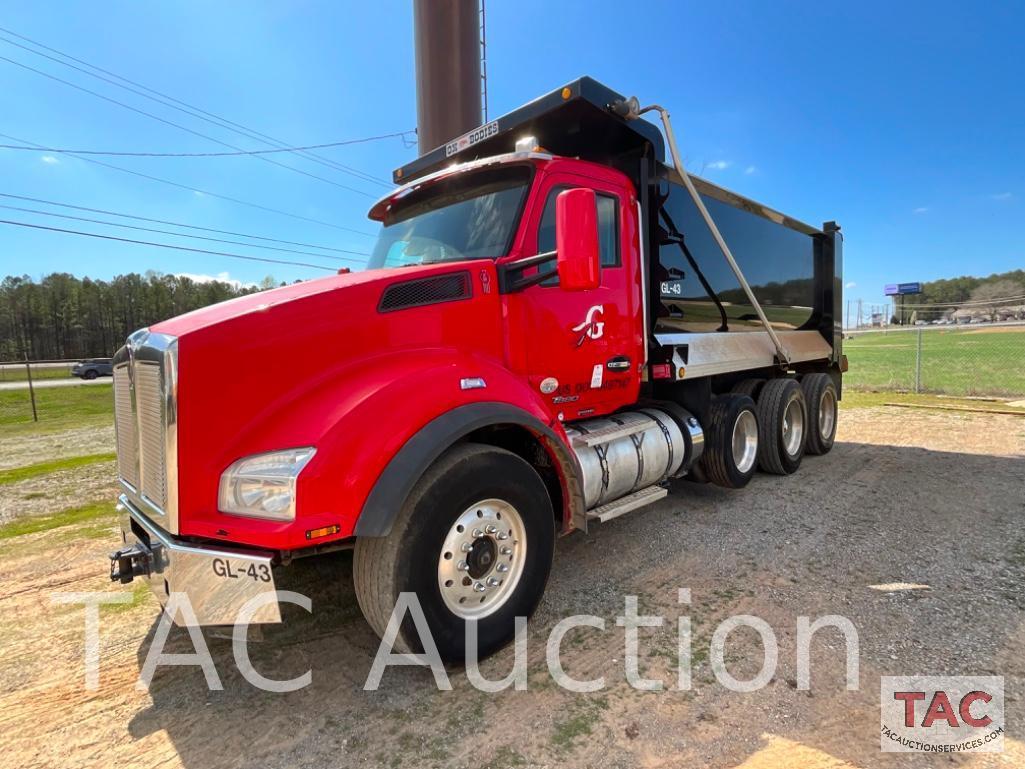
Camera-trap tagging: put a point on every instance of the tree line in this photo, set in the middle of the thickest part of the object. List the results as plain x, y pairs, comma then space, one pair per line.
63, 316
966, 288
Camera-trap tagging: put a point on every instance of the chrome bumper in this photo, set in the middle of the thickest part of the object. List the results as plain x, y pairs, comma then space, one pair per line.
218, 582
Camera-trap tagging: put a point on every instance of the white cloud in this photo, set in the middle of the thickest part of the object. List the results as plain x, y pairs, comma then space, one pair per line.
719, 165
852, 284
199, 194
750, 170
49, 159
920, 210
1002, 196
221, 277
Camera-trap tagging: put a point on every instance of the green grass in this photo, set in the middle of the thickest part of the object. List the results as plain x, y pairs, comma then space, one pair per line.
92, 514
44, 468
580, 722
59, 408
954, 362
19, 374
139, 593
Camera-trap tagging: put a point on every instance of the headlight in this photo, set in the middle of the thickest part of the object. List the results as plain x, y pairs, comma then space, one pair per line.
263, 485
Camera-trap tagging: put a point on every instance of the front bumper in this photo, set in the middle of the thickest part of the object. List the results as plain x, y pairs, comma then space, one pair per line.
218, 582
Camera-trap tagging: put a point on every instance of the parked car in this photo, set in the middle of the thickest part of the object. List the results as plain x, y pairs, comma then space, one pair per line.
92, 368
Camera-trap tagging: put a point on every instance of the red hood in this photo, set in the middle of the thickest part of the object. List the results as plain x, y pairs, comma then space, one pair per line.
265, 300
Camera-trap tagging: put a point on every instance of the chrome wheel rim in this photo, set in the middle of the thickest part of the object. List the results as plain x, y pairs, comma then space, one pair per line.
745, 440
482, 558
793, 426
827, 413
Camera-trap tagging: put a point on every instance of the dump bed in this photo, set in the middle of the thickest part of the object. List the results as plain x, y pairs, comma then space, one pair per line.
793, 268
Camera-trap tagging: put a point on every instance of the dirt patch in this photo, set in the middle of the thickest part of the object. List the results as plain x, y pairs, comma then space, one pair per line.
919, 498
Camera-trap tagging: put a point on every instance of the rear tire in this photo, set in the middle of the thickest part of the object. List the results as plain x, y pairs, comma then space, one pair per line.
782, 419
820, 394
731, 441
423, 552
748, 387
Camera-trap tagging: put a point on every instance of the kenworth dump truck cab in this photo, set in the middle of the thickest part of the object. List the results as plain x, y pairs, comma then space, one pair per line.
554, 324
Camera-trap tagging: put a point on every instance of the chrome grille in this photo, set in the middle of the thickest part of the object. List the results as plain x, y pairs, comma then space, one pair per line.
149, 404
145, 412
126, 428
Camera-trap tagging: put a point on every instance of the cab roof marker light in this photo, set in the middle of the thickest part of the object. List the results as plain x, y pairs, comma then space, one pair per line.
526, 144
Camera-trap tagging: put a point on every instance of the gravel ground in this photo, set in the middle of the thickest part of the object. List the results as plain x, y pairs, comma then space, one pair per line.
29, 448
906, 496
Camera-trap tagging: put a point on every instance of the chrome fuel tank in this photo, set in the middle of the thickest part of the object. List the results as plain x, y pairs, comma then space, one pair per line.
632, 450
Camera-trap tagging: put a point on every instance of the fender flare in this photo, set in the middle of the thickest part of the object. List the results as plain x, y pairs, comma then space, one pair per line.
418, 453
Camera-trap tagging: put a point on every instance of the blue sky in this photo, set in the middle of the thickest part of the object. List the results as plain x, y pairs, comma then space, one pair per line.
902, 121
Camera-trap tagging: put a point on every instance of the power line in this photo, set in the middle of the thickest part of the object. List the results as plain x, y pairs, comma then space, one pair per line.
178, 224
206, 192
202, 154
166, 245
179, 126
191, 110
178, 234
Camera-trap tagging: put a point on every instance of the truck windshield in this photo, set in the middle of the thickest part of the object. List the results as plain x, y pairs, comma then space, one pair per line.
468, 216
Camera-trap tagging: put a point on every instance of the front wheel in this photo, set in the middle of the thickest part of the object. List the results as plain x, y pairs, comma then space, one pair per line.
90, 374
474, 541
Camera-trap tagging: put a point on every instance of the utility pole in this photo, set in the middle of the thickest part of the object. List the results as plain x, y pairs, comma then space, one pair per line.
447, 35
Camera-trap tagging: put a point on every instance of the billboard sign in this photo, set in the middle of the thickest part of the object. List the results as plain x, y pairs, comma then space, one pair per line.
900, 289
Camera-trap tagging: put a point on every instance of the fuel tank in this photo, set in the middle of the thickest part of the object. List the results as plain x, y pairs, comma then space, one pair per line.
632, 450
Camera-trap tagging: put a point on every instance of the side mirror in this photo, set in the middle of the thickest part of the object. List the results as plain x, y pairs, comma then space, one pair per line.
576, 240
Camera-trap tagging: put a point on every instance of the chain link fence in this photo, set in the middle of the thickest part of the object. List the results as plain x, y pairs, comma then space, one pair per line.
48, 392
972, 359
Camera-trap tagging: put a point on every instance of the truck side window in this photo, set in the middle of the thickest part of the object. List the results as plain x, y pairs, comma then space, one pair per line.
608, 231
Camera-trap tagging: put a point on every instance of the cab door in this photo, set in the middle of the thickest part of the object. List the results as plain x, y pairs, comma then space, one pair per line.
585, 349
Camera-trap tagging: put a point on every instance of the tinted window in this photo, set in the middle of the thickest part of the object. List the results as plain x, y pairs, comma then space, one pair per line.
608, 231
608, 227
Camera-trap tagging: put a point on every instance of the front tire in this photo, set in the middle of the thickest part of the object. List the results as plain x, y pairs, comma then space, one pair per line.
474, 541
90, 374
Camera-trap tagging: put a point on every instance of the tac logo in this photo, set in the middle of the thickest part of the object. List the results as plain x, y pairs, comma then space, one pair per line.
591, 328
942, 714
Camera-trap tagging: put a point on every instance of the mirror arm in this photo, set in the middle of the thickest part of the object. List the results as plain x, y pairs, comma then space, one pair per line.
510, 275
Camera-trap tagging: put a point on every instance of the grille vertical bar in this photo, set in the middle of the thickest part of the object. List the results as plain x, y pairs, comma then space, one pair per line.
125, 427
149, 403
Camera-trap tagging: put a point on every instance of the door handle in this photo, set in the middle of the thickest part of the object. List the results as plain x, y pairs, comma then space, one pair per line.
618, 363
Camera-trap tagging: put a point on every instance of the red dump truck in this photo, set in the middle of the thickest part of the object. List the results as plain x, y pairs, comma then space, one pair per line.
556, 322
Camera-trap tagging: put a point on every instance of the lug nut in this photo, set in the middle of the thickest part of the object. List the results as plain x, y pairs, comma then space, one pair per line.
476, 533
478, 587
494, 582
506, 550
466, 547
502, 567
461, 566
503, 536
492, 529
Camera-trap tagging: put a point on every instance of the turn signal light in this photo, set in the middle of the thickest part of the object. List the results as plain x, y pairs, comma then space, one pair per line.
324, 531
